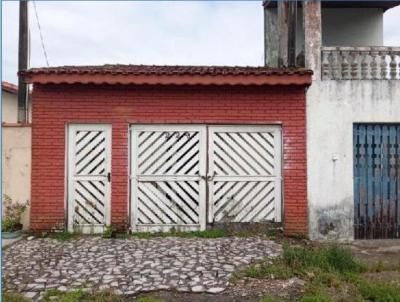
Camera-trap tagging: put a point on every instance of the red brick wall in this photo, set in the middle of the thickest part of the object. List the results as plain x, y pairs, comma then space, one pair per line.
54, 106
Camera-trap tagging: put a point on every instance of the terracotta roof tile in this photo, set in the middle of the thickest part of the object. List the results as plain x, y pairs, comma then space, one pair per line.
167, 75
9, 87
166, 70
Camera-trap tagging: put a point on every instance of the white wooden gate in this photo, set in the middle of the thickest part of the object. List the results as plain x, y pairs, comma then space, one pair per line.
172, 168
89, 168
168, 177
244, 175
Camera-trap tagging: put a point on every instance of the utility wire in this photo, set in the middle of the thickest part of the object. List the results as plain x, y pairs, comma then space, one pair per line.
40, 32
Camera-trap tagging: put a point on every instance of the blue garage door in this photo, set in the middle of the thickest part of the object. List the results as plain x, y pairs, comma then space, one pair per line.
376, 181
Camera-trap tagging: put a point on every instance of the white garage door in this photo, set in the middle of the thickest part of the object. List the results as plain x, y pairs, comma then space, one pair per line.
168, 189
245, 173
173, 166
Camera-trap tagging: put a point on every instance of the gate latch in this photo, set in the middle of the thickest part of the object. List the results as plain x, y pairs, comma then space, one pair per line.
211, 177
109, 177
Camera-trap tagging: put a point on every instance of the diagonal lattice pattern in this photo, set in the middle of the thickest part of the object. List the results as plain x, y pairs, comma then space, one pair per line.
247, 201
245, 170
90, 153
168, 153
168, 202
89, 202
169, 195
244, 153
89, 194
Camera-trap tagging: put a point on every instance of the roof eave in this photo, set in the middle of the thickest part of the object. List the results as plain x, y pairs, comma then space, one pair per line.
219, 80
8, 87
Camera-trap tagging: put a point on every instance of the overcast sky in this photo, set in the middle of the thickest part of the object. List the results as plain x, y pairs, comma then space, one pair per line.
92, 33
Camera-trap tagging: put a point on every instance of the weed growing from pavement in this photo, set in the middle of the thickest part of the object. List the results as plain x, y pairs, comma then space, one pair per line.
109, 231
378, 292
13, 297
149, 299
326, 270
80, 295
63, 236
173, 233
300, 261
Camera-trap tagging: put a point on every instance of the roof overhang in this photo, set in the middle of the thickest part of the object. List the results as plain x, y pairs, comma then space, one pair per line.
8, 87
170, 80
168, 75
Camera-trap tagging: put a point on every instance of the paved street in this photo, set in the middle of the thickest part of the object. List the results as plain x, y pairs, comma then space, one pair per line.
131, 265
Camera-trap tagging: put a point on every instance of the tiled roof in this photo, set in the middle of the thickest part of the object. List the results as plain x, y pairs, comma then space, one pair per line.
168, 75
166, 70
9, 87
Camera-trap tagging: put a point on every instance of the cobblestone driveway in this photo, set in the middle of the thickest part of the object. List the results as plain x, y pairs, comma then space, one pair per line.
129, 266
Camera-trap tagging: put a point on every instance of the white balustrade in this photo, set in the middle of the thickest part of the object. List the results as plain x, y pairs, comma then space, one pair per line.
361, 63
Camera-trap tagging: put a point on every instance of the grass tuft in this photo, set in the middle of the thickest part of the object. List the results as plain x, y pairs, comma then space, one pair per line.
327, 259
268, 299
318, 295
109, 231
174, 233
13, 297
379, 292
81, 296
63, 236
306, 261
149, 299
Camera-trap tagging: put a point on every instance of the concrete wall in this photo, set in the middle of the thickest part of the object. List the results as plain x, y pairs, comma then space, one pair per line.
10, 108
16, 154
332, 108
17, 165
352, 27
273, 13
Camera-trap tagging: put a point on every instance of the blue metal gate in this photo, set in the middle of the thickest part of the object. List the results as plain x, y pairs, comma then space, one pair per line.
376, 181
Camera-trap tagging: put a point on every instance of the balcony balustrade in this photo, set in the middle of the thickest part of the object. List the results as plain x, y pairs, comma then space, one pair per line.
360, 63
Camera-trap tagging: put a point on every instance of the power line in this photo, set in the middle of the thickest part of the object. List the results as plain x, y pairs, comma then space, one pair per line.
40, 33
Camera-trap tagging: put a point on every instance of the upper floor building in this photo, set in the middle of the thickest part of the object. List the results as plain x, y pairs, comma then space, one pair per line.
336, 39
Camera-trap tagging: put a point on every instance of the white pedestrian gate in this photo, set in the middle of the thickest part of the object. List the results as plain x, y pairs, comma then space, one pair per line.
89, 168
174, 165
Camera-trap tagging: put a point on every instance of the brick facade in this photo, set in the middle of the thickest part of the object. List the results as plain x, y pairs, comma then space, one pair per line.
57, 105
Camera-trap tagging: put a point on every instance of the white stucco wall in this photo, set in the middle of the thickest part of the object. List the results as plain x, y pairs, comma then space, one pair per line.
17, 166
16, 153
352, 27
10, 108
332, 108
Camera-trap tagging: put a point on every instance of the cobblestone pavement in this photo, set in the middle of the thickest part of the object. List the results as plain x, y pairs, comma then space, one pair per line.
129, 266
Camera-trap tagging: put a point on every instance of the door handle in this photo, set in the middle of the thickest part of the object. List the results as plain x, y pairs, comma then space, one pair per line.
109, 177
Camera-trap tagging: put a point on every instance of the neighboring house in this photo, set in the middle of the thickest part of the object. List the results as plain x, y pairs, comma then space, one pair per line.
156, 147
16, 151
353, 114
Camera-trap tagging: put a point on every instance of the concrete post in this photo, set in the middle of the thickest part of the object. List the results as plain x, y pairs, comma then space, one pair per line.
312, 36
271, 38
292, 23
283, 33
